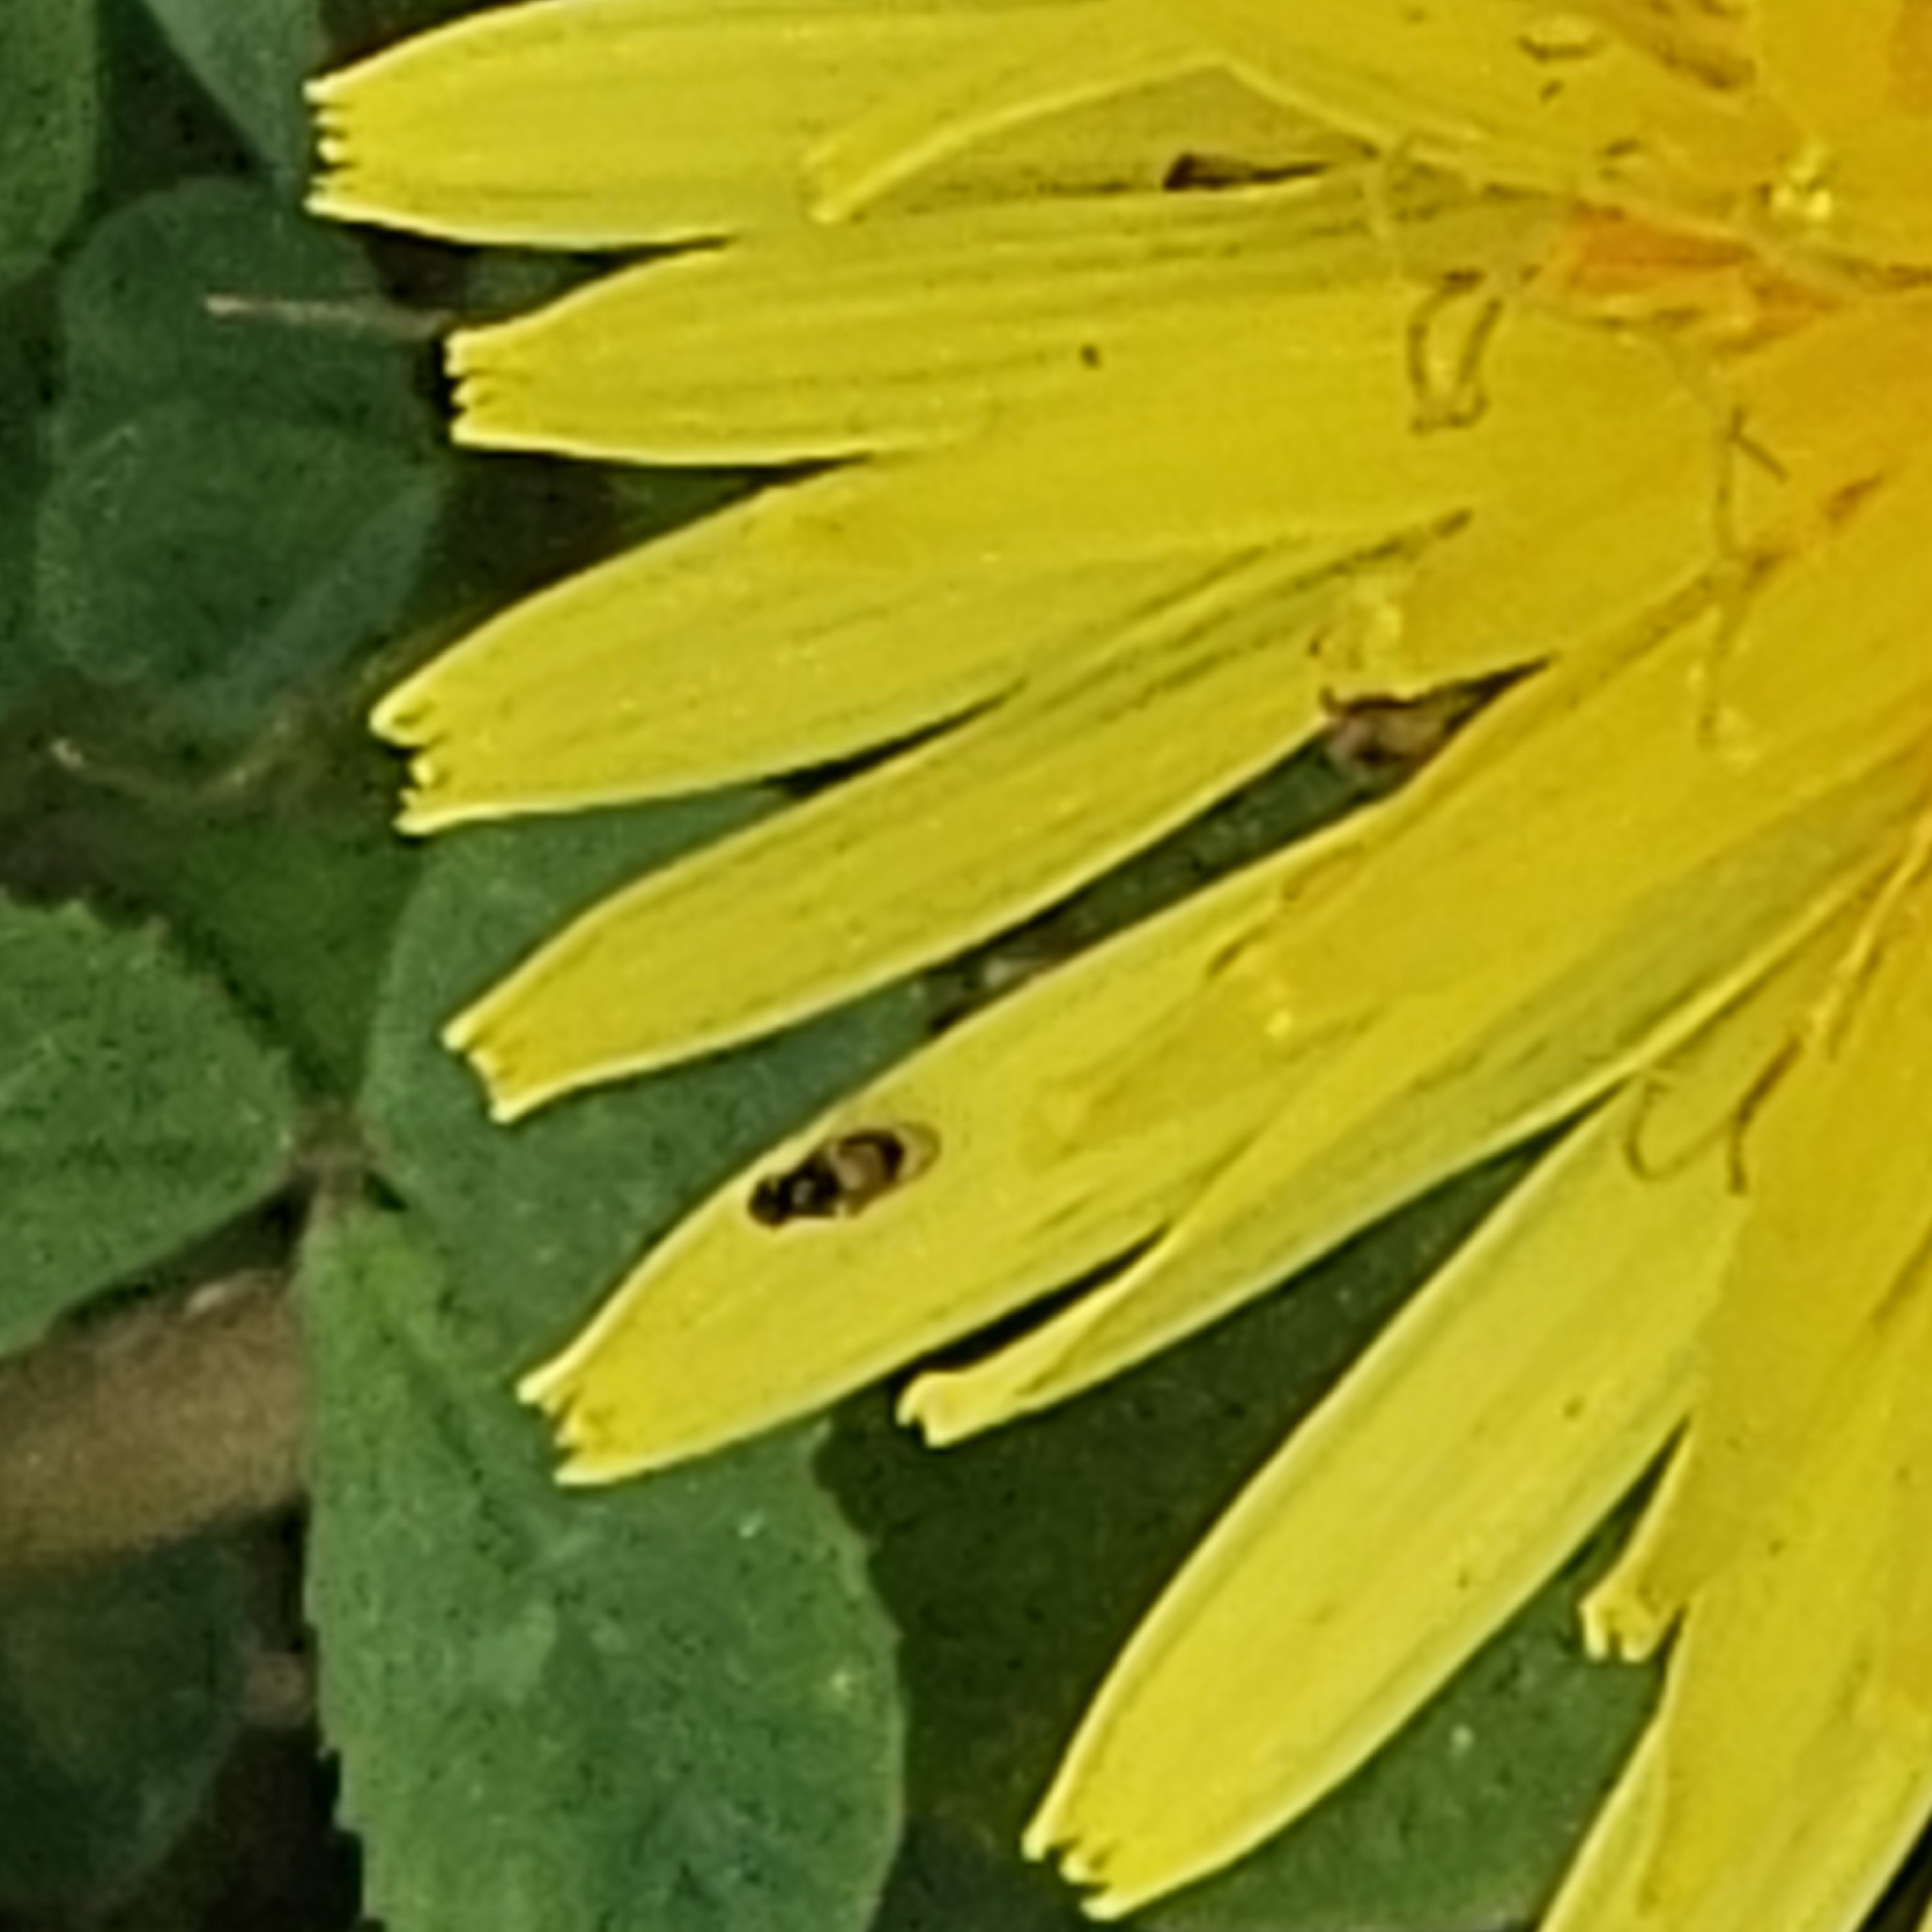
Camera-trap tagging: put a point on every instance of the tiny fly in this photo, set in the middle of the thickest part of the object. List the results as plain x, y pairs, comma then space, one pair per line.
844, 1176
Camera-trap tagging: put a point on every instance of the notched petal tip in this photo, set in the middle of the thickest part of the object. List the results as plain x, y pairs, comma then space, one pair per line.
509, 1094
551, 1386
335, 193
461, 1034
1621, 1625
590, 1460
927, 1406
949, 1406
406, 716
461, 356
477, 389
491, 377
424, 807
407, 719
1082, 1865
605, 1439
329, 197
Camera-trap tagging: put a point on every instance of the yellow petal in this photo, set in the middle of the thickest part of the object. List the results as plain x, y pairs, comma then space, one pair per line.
1314, 426
1693, 39
729, 1327
1845, 399
941, 847
1656, 480
1831, 67
1841, 1187
1479, 1440
1205, 123
1866, 192
919, 331
1858, 78
1445, 1076
596, 123
1900, 1698
719, 654
1045, 63
1708, 746
1773, 1791
1477, 89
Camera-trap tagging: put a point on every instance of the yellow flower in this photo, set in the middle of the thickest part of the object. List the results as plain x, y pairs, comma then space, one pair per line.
1186, 364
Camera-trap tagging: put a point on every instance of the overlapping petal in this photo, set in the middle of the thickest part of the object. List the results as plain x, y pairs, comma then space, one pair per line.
722, 654
942, 846
1479, 1440
1445, 1078
1844, 1222
1511, 92
1011, 1205
1785, 1774
1315, 426
934, 329
1194, 361
1490, 1427
521, 124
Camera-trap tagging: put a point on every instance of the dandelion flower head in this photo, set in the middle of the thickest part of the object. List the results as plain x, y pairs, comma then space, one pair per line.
1143, 379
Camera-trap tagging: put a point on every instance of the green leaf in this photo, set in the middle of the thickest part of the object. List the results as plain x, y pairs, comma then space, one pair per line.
293, 909
120, 1693
213, 292
49, 126
254, 59
248, 479
1019, 1565
224, 562
670, 1705
21, 469
136, 1111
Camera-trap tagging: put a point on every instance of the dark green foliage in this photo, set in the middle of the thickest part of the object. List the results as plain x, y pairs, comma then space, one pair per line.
136, 1111
21, 468
246, 484
119, 1694
49, 126
214, 292
293, 908
227, 563
253, 60
669, 1706
591, 1699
